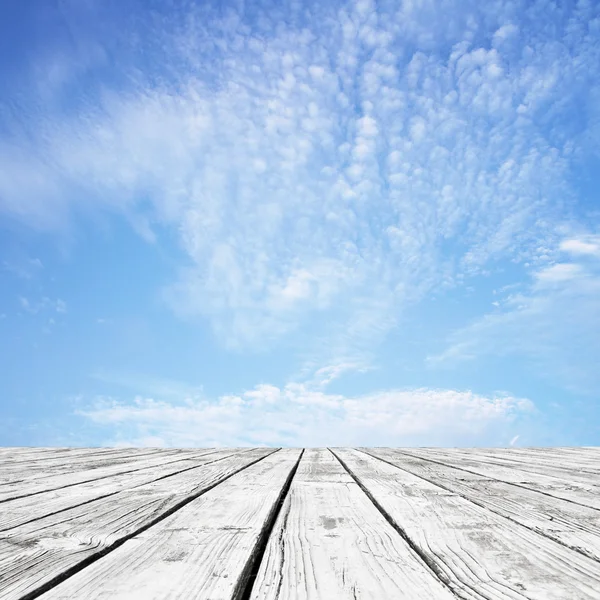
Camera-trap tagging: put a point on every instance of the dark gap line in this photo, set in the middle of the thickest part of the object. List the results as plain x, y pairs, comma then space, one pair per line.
86, 562
578, 549
68, 485
243, 588
520, 466
77, 457
78, 467
91, 500
429, 562
524, 487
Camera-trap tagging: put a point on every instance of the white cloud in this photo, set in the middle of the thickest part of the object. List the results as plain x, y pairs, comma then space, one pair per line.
553, 323
589, 245
559, 273
375, 152
34, 307
25, 268
301, 415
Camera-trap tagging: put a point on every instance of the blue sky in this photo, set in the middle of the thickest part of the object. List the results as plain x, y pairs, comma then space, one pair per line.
299, 223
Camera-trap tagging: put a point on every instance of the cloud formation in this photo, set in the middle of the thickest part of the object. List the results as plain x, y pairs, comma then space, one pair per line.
301, 415
328, 165
552, 322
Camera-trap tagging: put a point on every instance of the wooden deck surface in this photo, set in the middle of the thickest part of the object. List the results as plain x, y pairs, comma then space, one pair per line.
266, 524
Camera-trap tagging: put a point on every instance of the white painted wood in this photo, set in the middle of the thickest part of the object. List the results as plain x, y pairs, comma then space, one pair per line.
105, 468
35, 553
573, 491
17, 512
14, 460
28, 453
201, 551
554, 466
571, 524
480, 553
574, 456
330, 542
29, 470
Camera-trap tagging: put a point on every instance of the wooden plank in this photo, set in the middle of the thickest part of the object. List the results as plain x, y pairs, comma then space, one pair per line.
60, 480
330, 541
205, 550
480, 554
575, 526
11, 454
31, 508
579, 458
35, 455
36, 554
26, 471
534, 463
553, 486
15, 461
572, 455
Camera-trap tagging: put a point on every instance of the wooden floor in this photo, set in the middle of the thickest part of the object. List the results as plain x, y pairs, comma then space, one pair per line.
263, 523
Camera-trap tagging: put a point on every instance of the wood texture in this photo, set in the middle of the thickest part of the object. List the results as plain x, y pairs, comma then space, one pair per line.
575, 526
257, 524
31, 482
331, 542
34, 507
37, 553
480, 554
559, 487
203, 550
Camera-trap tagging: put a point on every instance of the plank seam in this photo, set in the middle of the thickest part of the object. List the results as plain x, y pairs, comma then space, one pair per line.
427, 560
78, 456
243, 589
62, 487
58, 579
481, 505
524, 487
97, 498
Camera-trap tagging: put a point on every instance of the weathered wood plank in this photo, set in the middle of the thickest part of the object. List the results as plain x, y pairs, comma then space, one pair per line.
532, 463
330, 541
26, 471
63, 479
204, 550
36, 554
575, 526
481, 554
556, 455
39, 455
26, 453
553, 486
30, 508
15, 461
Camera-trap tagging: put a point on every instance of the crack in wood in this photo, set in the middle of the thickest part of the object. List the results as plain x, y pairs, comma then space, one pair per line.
52, 583
426, 558
245, 584
101, 497
482, 504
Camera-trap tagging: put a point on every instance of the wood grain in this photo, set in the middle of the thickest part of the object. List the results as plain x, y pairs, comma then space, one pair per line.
68, 477
559, 487
331, 542
203, 550
578, 470
38, 553
575, 526
31, 508
479, 553
232, 523
25, 471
